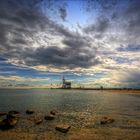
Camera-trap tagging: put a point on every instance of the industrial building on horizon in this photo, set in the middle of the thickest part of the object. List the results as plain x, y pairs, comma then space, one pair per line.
66, 85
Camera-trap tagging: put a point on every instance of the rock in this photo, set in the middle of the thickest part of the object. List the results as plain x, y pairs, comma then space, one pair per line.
106, 120
31, 118
103, 121
3, 122
63, 128
110, 120
53, 112
8, 123
49, 117
3, 113
38, 121
35, 120
12, 122
13, 114
29, 111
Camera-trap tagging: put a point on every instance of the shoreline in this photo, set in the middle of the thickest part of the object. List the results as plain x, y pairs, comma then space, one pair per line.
130, 91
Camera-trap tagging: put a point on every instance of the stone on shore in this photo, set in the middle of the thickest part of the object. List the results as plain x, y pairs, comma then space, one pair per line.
106, 120
49, 117
29, 111
3, 113
110, 120
3, 122
36, 120
12, 122
53, 112
63, 128
8, 123
13, 114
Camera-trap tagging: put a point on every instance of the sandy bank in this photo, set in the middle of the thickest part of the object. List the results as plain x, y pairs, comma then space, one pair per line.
75, 134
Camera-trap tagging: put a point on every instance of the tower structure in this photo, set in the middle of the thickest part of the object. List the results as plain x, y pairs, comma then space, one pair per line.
66, 85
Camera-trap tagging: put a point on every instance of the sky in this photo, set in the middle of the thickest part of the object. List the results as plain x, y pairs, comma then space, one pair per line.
91, 43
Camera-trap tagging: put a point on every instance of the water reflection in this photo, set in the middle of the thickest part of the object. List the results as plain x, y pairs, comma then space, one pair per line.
78, 107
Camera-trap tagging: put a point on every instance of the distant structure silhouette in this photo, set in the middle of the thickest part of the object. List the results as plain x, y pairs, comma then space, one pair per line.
66, 85
101, 87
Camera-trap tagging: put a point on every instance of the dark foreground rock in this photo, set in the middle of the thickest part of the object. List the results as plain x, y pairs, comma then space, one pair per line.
53, 112
106, 120
29, 111
63, 128
11, 120
8, 123
3, 113
13, 114
49, 117
4, 124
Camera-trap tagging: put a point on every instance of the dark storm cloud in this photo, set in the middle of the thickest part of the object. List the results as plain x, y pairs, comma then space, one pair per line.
132, 16
19, 41
100, 26
76, 54
126, 17
129, 48
62, 57
76, 41
19, 26
2, 33
20, 21
123, 16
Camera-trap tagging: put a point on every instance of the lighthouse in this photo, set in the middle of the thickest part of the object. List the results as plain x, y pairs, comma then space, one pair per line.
66, 85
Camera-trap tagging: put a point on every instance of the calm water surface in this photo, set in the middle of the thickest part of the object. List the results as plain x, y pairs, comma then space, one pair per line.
78, 106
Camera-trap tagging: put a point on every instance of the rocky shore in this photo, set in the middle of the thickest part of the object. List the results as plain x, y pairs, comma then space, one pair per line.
11, 119
31, 125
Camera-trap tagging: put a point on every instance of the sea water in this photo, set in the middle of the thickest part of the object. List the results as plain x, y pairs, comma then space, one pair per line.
81, 108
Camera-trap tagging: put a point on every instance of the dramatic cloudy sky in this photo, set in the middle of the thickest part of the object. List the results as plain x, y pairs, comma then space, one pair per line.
90, 42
